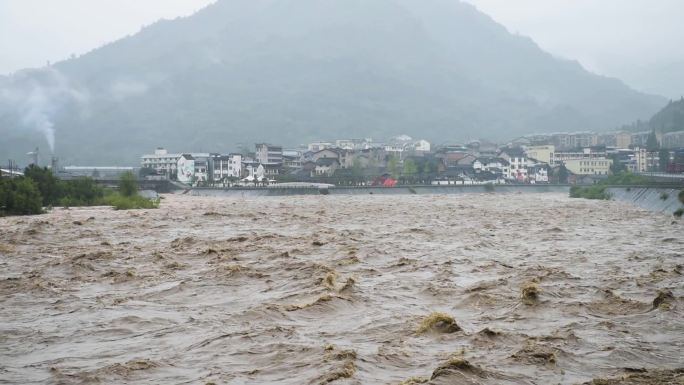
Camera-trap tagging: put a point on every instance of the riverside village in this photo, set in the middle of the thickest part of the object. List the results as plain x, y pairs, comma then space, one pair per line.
574, 158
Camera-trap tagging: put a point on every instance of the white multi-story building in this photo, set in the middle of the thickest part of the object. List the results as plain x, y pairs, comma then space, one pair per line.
352, 144
227, 166
161, 161
518, 163
422, 146
538, 172
494, 165
318, 146
268, 154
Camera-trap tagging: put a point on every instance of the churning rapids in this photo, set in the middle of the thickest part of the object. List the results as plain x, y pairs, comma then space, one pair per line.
345, 290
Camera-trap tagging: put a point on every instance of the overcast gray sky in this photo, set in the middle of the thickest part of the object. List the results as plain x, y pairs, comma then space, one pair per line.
622, 38
35, 31
601, 34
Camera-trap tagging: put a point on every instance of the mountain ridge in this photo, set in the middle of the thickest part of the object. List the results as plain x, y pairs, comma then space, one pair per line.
291, 71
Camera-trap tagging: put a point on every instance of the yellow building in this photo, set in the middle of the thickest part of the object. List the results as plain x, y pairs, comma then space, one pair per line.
623, 140
595, 166
542, 153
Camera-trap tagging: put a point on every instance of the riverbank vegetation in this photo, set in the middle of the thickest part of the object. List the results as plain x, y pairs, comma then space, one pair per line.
39, 188
590, 192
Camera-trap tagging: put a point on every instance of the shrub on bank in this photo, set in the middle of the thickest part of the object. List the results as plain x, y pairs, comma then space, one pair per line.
590, 192
81, 192
39, 187
598, 191
133, 202
19, 196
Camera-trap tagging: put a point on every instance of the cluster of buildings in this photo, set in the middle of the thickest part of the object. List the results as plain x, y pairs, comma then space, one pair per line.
564, 141
271, 162
635, 151
560, 157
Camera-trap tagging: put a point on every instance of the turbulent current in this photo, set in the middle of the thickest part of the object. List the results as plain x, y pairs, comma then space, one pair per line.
458, 289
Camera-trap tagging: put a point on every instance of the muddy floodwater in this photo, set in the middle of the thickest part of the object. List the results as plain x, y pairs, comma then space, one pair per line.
457, 289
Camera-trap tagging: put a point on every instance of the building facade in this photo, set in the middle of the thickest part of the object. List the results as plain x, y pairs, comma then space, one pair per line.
161, 161
673, 140
542, 153
269, 154
595, 166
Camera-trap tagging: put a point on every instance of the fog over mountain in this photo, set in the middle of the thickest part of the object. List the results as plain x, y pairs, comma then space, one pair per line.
290, 71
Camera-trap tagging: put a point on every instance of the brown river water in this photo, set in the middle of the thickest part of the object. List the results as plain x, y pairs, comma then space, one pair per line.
333, 289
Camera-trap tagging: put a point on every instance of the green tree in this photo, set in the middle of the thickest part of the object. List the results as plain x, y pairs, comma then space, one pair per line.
357, 167
393, 166
616, 166
663, 159
128, 185
652, 142
426, 168
81, 192
48, 185
410, 168
19, 196
562, 174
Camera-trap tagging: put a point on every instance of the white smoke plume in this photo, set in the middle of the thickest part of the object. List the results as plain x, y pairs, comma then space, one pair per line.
37, 96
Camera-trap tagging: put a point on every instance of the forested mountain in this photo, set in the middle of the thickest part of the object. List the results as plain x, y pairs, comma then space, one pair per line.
291, 71
670, 118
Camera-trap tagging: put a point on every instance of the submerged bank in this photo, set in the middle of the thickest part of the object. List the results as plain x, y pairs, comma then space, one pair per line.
660, 200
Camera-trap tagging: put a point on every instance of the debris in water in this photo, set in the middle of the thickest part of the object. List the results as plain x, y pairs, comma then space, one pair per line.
415, 381
180, 242
349, 285
535, 354
353, 260
329, 280
651, 377
322, 299
530, 292
346, 371
489, 332
174, 266
663, 300
455, 364
438, 322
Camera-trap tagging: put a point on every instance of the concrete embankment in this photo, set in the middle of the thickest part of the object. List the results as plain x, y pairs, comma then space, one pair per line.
662, 200
402, 190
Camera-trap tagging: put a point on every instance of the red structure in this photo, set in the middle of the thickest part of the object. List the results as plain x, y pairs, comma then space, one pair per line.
384, 181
